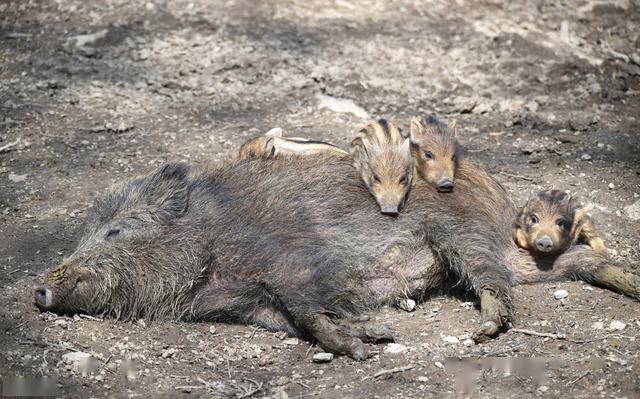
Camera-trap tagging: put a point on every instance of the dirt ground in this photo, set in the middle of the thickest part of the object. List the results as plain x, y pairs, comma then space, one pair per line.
546, 94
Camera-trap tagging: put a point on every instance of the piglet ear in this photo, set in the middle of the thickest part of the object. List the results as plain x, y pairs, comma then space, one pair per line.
165, 192
416, 130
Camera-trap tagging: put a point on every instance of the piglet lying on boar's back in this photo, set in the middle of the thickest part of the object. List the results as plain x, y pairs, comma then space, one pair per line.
287, 246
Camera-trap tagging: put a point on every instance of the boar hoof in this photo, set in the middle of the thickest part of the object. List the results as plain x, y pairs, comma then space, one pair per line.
373, 333
487, 330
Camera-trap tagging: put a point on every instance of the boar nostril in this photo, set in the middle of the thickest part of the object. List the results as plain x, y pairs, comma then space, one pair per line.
43, 297
445, 185
389, 209
545, 244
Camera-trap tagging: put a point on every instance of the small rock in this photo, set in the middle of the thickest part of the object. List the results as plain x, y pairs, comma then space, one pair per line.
291, 341
141, 323
543, 388
531, 106
282, 381
617, 325
75, 357
395, 348
408, 305
17, 178
560, 294
86, 40
633, 210
564, 31
322, 357
439, 365
451, 339
423, 379
612, 186
342, 105
598, 325
281, 335
170, 352
467, 342
212, 329
62, 323
586, 157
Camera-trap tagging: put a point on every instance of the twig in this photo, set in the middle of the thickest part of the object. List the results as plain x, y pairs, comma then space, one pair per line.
538, 334
516, 176
18, 35
7, 147
189, 387
16, 326
86, 316
586, 373
251, 392
308, 350
105, 363
394, 370
564, 337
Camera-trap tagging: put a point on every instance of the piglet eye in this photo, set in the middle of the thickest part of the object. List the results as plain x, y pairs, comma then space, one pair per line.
428, 155
560, 223
113, 233
376, 179
534, 219
403, 179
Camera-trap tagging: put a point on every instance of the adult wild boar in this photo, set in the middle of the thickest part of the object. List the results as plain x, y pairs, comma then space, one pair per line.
288, 247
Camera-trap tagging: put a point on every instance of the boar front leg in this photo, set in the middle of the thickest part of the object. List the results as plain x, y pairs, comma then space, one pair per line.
491, 281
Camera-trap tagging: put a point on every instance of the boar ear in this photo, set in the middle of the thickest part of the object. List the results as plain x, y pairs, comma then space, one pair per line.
359, 153
416, 129
406, 146
166, 190
275, 132
453, 125
269, 147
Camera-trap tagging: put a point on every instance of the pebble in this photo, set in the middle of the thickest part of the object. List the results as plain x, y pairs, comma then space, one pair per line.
451, 339
342, 105
395, 348
408, 305
611, 186
560, 294
598, 325
423, 379
212, 329
617, 325
291, 341
633, 210
467, 342
282, 381
170, 352
439, 365
75, 357
322, 357
586, 157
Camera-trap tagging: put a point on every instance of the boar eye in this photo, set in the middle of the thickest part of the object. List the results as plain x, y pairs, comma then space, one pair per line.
560, 223
428, 155
113, 233
376, 179
403, 180
534, 219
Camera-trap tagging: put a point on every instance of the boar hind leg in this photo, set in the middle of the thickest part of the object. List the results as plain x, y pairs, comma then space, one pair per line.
579, 263
583, 263
335, 338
